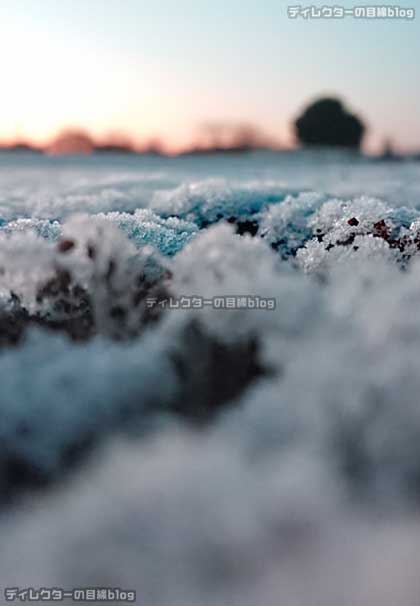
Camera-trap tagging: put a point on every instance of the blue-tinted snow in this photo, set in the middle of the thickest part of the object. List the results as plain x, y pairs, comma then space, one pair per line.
307, 490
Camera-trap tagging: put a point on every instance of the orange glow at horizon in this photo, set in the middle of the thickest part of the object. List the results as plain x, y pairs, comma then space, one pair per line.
67, 87
157, 71
103, 90
170, 145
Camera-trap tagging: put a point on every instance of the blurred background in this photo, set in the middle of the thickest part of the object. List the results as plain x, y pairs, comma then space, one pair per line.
186, 75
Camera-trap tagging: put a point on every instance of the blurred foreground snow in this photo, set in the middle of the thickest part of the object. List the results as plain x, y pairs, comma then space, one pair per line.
238, 456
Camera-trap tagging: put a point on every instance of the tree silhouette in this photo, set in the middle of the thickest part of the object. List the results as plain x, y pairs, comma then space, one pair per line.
327, 122
72, 141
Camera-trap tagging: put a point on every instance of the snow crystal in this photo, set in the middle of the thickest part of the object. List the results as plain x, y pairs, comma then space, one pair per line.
237, 456
209, 201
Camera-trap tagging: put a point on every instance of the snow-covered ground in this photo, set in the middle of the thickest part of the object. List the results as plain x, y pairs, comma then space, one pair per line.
199, 455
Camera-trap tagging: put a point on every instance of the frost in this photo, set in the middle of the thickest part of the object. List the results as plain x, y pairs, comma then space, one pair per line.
219, 531
316, 257
287, 226
19, 274
145, 227
57, 397
99, 257
49, 230
219, 456
209, 201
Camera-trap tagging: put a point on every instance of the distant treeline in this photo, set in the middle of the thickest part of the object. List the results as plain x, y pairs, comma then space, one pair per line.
325, 122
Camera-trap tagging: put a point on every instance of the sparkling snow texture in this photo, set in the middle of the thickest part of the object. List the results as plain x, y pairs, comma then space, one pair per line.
303, 488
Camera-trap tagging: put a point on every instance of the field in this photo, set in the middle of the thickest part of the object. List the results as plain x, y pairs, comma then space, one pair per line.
210, 377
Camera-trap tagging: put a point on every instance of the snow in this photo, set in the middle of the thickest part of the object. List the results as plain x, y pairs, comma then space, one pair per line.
201, 455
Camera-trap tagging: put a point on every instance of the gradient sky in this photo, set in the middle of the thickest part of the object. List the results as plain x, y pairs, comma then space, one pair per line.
160, 68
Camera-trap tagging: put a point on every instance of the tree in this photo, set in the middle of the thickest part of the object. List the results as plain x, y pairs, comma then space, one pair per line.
327, 122
72, 141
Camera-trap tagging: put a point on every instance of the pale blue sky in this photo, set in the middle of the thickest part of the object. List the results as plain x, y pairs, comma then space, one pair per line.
162, 68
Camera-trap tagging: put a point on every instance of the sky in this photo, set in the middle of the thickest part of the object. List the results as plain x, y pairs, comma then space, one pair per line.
162, 68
